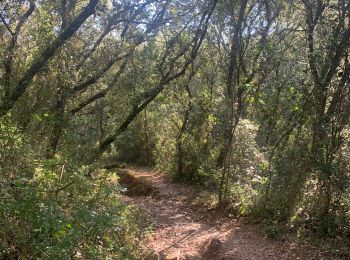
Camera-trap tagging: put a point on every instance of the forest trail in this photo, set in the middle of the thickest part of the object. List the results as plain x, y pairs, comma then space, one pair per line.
184, 231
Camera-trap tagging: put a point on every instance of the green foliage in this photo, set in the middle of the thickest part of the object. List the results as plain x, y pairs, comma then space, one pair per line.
273, 232
207, 200
54, 209
73, 216
248, 106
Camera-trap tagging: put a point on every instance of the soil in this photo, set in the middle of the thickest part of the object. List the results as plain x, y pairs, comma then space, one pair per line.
185, 231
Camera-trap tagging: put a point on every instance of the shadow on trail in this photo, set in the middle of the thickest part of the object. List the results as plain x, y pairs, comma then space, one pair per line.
183, 232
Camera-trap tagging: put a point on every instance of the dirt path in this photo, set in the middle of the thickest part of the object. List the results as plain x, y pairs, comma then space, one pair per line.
182, 231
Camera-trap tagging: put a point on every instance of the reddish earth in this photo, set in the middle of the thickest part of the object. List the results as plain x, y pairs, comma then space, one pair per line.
184, 231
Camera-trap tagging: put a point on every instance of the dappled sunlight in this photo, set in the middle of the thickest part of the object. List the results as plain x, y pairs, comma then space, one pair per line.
182, 231
175, 129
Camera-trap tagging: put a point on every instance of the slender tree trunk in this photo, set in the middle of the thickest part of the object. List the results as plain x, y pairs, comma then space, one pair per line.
58, 122
146, 139
180, 152
234, 104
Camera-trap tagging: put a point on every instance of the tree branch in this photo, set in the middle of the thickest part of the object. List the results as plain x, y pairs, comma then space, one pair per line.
47, 54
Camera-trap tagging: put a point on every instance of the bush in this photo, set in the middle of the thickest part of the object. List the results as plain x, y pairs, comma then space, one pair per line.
273, 232
50, 209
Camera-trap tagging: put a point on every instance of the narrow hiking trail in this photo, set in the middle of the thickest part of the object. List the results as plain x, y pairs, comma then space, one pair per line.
184, 231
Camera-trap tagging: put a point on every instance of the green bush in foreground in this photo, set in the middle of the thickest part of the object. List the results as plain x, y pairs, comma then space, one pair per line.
60, 214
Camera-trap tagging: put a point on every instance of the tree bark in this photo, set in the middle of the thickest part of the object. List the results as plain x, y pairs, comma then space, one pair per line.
46, 55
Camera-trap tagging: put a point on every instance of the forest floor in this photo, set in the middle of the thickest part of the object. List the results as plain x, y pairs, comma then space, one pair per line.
183, 230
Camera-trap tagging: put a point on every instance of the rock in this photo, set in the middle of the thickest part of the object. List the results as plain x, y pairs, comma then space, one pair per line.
171, 257
213, 249
135, 185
